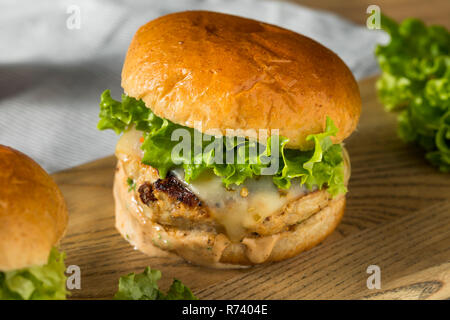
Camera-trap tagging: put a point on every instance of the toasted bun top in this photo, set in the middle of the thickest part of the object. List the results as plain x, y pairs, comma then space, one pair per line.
33, 214
229, 72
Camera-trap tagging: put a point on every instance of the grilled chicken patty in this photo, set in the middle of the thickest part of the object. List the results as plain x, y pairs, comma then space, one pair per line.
171, 203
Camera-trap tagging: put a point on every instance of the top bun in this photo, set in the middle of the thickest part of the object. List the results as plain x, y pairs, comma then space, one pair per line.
33, 214
234, 73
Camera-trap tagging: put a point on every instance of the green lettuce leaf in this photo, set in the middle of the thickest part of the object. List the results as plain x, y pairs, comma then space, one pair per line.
178, 291
47, 282
144, 286
242, 158
415, 81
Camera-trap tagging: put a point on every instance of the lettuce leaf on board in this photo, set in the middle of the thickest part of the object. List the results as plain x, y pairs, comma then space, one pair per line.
415, 82
322, 166
47, 282
144, 286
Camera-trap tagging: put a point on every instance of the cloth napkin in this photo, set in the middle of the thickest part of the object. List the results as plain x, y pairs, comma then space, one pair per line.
52, 73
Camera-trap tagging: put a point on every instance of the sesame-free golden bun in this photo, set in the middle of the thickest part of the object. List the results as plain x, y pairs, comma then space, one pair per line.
33, 214
229, 72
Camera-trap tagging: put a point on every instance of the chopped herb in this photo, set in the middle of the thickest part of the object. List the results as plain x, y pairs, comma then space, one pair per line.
131, 184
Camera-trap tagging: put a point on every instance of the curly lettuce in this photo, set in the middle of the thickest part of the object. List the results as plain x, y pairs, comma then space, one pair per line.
415, 82
322, 166
47, 282
144, 286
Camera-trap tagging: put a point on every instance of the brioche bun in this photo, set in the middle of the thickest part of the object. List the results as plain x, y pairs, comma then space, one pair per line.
33, 214
229, 72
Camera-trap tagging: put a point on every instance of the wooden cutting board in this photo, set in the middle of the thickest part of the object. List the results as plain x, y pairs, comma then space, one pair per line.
397, 217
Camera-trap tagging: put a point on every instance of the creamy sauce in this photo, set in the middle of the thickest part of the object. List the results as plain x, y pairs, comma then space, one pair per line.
259, 249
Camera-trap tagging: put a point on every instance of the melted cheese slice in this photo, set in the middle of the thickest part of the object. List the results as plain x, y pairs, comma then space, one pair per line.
129, 145
236, 209
241, 207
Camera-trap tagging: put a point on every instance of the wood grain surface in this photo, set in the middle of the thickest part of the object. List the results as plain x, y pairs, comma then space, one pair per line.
397, 217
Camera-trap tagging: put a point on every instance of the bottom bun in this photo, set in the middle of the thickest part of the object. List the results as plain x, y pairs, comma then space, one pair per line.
216, 250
